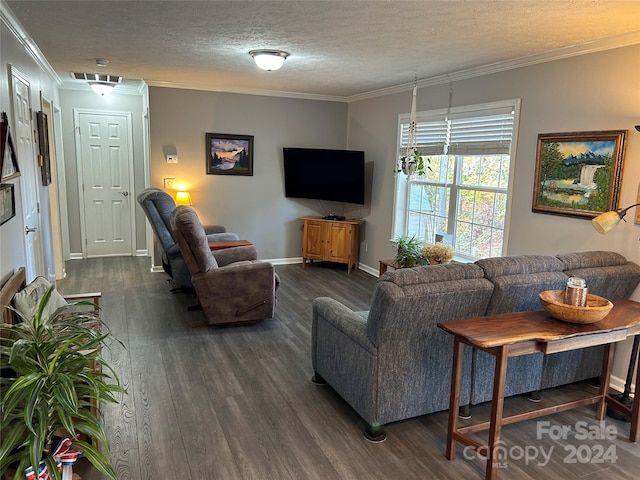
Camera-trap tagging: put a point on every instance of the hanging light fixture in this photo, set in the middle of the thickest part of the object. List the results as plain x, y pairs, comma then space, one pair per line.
269, 59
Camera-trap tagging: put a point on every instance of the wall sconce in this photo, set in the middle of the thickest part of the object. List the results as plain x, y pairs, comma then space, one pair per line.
269, 59
183, 197
606, 222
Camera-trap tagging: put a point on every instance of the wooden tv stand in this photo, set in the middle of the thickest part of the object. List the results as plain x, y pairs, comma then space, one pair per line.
331, 241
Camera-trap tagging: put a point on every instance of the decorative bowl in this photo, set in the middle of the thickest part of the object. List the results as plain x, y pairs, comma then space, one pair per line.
597, 307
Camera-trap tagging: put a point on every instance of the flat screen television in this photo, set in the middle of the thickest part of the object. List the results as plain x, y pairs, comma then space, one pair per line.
324, 174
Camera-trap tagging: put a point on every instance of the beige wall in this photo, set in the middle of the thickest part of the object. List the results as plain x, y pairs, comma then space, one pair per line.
254, 207
598, 91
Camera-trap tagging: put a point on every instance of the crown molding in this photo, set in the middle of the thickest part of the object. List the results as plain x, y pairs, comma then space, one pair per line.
246, 91
594, 46
18, 31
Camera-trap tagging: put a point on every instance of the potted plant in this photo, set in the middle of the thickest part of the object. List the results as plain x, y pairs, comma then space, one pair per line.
52, 375
413, 163
408, 252
438, 252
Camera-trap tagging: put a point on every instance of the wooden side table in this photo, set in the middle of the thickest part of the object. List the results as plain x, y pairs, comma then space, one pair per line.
229, 244
514, 334
384, 264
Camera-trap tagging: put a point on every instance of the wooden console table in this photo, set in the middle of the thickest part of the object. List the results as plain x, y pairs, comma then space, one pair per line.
514, 334
228, 244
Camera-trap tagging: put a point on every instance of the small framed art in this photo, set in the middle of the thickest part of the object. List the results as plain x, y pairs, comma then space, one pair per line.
7, 202
229, 154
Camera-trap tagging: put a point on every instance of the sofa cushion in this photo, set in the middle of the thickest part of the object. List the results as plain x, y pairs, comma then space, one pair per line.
26, 301
519, 279
607, 274
519, 265
432, 274
591, 259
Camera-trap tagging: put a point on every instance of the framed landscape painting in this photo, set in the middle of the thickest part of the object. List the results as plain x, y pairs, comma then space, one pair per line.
229, 154
578, 174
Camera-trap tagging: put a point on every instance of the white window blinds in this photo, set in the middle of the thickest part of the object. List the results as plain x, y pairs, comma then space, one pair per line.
470, 133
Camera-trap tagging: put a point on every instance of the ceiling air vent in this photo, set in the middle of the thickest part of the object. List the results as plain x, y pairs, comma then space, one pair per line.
97, 77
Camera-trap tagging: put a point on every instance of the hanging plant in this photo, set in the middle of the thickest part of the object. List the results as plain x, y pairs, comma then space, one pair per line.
413, 164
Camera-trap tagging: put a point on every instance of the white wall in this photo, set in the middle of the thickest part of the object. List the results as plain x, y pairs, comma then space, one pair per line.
15, 54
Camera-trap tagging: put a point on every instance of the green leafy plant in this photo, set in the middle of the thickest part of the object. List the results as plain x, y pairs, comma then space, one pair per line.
52, 374
408, 252
413, 164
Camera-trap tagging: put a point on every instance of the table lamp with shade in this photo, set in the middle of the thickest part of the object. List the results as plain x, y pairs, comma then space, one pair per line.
183, 197
603, 224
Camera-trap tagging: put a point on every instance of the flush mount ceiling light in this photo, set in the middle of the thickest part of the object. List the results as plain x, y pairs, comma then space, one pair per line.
102, 84
269, 59
102, 88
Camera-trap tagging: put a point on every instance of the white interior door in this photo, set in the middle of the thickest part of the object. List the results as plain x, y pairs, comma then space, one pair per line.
105, 154
30, 178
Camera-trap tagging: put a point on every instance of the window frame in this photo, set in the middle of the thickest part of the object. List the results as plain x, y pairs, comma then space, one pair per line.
401, 210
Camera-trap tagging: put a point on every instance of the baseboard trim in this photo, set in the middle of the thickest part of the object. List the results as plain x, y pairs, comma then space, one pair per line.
284, 261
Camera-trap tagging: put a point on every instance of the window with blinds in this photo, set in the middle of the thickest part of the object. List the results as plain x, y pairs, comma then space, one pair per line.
463, 198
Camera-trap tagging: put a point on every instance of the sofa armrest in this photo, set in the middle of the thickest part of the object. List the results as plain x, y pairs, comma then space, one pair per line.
227, 256
244, 278
344, 320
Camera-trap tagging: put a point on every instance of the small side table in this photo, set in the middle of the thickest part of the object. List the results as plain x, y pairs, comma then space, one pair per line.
229, 244
384, 264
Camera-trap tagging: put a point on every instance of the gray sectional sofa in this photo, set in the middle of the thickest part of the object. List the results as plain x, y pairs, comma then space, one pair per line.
392, 362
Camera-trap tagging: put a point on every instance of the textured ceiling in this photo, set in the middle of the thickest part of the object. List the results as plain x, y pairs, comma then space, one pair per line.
338, 48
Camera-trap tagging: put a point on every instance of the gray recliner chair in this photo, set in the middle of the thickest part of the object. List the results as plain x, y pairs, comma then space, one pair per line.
231, 284
158, 206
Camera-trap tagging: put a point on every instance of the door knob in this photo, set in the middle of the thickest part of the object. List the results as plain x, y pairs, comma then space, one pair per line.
125, 193
29, 230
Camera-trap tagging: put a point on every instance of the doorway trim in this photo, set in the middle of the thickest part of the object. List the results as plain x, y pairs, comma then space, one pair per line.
48, 108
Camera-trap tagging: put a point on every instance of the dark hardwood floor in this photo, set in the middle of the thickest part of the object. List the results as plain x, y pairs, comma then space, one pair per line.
237, 402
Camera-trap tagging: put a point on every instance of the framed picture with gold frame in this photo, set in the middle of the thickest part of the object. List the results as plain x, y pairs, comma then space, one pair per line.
578, 174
